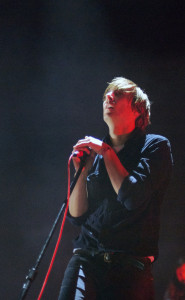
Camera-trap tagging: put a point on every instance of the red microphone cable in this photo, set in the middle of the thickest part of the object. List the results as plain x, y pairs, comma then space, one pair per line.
60, 233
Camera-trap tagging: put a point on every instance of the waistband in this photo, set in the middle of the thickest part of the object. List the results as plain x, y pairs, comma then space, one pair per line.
118, 257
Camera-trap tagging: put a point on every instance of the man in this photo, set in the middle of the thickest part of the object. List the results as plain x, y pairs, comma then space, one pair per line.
116, 201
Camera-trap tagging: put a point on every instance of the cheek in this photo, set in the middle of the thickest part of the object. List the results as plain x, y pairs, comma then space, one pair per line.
127, 111
125, 106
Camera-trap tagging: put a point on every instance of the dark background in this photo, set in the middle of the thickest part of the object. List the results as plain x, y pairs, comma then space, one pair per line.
55, 60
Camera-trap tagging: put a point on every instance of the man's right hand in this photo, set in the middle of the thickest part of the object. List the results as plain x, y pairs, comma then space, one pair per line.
88, 162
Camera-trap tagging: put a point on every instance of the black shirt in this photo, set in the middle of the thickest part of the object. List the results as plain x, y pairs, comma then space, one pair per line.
127, 222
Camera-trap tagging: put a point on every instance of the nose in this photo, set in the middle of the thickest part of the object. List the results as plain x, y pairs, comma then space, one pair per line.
110, 100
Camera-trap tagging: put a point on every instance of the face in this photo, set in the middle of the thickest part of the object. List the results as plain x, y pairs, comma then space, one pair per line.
117, 109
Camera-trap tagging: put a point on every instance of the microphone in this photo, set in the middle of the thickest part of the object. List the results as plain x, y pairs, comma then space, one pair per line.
80, 154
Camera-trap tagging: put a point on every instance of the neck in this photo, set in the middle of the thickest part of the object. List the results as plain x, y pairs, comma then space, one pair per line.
119, 136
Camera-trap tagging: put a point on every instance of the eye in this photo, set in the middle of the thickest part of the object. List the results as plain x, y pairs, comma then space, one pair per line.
111, 99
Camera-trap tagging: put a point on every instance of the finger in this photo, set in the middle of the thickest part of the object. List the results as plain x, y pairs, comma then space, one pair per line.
83, 145
84, 139
76, 159
84, 149
81, 142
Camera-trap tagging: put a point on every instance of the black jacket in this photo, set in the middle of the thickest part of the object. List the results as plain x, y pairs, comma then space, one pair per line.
127, 222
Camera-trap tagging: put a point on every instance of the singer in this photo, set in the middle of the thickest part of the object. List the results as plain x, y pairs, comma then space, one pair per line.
116, 201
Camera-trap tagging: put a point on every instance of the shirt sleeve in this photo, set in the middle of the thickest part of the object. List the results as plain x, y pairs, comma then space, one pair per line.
151, 174
77, 221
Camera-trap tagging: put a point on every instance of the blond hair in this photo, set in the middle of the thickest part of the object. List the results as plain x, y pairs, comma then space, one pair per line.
139, 100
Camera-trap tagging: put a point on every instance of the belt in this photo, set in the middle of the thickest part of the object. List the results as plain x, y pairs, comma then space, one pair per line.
114, 257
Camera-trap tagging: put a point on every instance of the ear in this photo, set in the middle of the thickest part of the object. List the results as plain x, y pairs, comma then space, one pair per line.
139, 122
136, 113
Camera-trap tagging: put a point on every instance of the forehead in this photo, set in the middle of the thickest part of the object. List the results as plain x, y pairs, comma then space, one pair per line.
117, 94
110, 93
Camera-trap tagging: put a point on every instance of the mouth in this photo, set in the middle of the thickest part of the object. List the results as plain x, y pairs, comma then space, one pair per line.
110, 107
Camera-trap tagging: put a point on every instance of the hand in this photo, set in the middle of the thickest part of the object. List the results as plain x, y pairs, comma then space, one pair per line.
81, 146
77, 158
90, 143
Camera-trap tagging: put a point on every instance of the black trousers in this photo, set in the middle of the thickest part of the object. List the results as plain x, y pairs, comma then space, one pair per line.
89, 278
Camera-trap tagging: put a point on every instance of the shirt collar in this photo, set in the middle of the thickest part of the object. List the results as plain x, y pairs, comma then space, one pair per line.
133, 137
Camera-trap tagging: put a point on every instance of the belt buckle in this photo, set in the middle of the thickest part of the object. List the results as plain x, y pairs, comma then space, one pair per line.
107, 257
